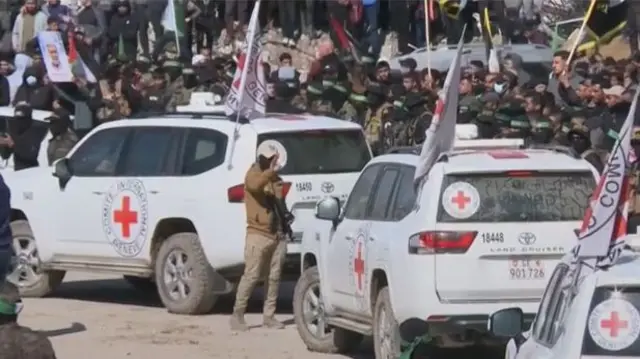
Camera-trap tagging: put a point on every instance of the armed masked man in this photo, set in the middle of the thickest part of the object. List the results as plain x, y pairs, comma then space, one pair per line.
268, 223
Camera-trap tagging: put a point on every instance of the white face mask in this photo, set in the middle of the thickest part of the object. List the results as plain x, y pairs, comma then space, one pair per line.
404, 70
498, 88
31, 80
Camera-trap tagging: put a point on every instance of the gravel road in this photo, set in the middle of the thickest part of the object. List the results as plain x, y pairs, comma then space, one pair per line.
102, 317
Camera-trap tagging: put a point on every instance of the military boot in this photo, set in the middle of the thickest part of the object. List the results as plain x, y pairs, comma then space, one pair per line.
273, 323
237, 323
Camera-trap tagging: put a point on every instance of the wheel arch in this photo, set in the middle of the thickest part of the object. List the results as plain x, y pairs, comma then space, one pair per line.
164, 229
309, 260
17, 215
379, 280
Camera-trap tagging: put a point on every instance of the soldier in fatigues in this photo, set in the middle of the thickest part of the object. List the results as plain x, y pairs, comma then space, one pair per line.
17, 341
265, 249
319, 104
419, 120
62, 136
182, 88
376, 117
469, 106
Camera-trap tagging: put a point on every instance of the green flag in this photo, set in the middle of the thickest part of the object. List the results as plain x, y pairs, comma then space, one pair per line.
121, 54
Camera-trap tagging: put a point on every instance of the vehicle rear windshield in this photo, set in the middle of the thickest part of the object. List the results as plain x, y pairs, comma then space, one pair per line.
315, 152
613, 323
515, 197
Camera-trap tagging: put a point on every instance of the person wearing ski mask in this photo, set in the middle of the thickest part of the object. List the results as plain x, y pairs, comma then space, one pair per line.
63, 138
22, 141
34, 90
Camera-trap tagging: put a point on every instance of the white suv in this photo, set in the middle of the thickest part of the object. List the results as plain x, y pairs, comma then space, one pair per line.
161, 200
488, 226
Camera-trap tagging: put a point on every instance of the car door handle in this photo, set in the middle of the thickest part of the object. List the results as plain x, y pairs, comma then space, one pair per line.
98, 193
350, 238
154, 192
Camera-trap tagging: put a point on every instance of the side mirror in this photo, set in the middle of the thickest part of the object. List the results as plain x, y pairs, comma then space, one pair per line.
62, 170
413, 328
506, 323
328, 209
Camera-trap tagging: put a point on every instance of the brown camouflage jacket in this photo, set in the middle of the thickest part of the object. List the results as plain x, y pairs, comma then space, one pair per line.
59, 146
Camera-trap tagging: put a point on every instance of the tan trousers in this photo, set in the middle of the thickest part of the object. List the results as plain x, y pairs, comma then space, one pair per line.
264, 258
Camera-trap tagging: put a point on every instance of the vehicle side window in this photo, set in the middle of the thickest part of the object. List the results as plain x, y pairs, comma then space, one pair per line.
550, 306
382, 194
146, 153
405, 198
98, 155
204, 150
356, 207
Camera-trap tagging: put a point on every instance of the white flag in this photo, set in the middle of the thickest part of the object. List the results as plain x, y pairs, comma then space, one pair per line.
442, 132
173, 18
248, 89
606, 218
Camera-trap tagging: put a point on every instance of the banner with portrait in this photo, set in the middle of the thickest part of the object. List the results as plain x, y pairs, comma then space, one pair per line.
54, 56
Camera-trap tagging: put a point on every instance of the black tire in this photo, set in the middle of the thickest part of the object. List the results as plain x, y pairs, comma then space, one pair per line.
49, 280
142, 284
383, 302
339, 340
201, 298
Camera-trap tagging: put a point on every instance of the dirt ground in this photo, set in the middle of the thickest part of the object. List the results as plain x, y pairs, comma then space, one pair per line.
102, 317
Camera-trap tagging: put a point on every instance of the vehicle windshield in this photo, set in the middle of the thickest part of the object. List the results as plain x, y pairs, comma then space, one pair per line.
320, 152
613, 324
519, 196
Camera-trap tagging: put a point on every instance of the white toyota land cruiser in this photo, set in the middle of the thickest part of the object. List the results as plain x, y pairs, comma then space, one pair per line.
161, 200
487, 228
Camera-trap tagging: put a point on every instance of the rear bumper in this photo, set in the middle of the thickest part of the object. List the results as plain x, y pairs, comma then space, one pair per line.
460, 324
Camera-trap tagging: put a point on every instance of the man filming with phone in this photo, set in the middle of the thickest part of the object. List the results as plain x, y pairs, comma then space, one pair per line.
268, 222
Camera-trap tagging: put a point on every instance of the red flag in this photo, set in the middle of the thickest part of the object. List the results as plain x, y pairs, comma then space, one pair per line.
73, 51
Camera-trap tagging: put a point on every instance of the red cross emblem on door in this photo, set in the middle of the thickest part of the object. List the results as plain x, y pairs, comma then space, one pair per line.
125, 217
614, 324
461, 200
358, 266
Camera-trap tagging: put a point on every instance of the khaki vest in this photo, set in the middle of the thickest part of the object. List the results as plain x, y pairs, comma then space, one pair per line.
373, 123
120, 102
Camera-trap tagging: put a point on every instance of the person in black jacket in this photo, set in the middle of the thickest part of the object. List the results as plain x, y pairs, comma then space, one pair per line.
34, 90
22, 141
123, 32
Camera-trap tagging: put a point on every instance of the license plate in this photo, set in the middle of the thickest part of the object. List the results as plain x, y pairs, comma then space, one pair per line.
526, 269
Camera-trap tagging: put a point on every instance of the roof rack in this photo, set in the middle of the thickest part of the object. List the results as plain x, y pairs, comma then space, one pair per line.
404, 150
554, 148
212, 115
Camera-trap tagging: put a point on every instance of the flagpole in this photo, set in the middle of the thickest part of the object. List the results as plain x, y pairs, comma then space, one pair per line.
243, 80
576, 44
427, 35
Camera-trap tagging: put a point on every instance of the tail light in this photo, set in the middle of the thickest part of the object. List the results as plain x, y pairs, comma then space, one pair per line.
235, 194
451, 242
